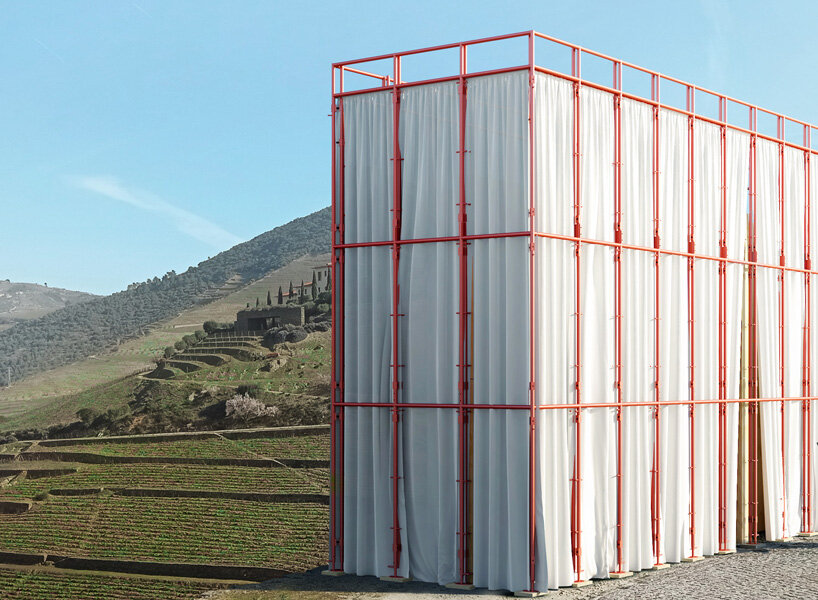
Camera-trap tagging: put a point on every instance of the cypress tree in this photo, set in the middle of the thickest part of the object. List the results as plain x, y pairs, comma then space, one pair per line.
280, 295
291, 290
257, 302
269, 299
314, 290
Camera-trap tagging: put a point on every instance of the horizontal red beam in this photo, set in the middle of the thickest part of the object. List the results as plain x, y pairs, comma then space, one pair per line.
485, 40
569, 238
574, 47
403, 405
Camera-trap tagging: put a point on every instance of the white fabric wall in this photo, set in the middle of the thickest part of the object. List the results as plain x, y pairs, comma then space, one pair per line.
598, 440
496, 185
707, 201
793, 332
555, 328
428, 333
781, 462
497, 182
368, 138
368, 127
738, 182
674, 339
638, 333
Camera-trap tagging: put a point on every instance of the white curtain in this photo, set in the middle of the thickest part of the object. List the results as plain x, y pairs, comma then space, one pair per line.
367, 486
428, 329
368, 138
737, 182
497, 190
555, 328
496, 185
674, 339
638, 333
707, 210
781, 427
598, 440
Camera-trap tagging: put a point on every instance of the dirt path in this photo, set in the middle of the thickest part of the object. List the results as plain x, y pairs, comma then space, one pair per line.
771, 571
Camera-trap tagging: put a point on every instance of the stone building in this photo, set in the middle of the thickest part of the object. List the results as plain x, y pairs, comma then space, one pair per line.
267, 317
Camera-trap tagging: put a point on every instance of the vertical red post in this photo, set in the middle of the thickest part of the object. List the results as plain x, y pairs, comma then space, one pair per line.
333, 508
806, 387
691, 310
462, 344
722, 351
655, 507
576, 481
752, 255
617, 81
337, 387
781, 332
532, 346
396, 223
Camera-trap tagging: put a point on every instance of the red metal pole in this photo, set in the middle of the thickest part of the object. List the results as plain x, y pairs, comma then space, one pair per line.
617, 79
722, 358
806, 388
753, 340
532, 346
781, 332
334, 541
338, 207
655, 479
691, 312
576, 481
396, 217
463, 358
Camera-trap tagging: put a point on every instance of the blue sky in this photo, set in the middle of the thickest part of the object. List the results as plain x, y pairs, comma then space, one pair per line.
142, 136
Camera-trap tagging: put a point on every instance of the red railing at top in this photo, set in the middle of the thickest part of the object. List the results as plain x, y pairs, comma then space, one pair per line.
393, 80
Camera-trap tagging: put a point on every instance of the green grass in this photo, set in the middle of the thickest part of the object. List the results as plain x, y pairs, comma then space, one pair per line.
187, 477
48, 584
191, 530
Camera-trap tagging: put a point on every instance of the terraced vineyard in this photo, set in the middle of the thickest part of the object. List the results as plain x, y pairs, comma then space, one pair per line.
272, 517
301, 447
49, 584
180, 477
287, 536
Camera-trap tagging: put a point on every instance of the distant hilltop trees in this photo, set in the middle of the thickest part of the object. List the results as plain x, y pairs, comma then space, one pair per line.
80, 330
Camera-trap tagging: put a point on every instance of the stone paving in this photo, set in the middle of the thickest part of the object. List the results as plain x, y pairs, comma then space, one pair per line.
768, 571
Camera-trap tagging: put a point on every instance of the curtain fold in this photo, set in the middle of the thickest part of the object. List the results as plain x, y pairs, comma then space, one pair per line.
674, 338
496, 185
368, 502
638, 333
555, 328
597, 374
428, 329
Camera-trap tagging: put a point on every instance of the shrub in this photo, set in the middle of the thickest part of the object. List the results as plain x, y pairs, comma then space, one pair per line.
180, 345
87, 416
189, 339
243, 407
210, 326
169, 351
200, 335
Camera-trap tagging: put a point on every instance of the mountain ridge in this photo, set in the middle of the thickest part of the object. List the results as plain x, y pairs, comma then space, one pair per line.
80, 330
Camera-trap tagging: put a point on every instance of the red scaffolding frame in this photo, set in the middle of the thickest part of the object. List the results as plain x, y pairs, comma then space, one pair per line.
393, 81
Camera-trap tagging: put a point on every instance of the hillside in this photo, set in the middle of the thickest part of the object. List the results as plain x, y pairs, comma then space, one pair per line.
23, 301
80, 331
48, 397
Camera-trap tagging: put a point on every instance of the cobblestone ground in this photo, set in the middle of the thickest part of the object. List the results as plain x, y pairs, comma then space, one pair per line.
770, 571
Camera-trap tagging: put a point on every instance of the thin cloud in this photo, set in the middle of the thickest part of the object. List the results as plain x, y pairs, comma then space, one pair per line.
717, 16
185, 221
